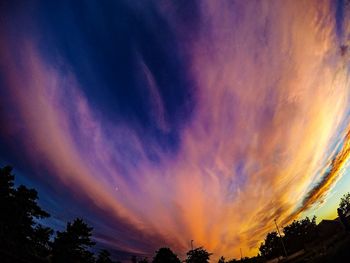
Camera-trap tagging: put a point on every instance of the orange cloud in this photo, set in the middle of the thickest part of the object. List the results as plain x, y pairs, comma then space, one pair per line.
272, 100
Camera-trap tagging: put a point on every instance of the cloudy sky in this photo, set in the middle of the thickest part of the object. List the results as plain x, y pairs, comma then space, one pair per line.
161, 122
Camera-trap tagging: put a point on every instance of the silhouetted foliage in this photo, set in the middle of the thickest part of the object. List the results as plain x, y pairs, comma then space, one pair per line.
21, 237
165, 255
198, 255
344, 204
299, 233
41, 241
271, 247
296, 235
104, 257
221, 260
344, 210
72, 245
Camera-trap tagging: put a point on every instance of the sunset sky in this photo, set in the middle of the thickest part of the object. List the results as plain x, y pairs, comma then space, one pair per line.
162, 122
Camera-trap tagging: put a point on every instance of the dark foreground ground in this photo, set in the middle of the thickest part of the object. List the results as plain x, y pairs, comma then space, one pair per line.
332, 251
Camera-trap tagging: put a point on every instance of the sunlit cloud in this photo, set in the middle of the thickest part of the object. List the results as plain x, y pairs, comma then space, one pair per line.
267, 137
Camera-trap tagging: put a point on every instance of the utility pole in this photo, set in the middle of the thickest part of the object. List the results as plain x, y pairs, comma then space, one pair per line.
278, 231
191, 244
240, 249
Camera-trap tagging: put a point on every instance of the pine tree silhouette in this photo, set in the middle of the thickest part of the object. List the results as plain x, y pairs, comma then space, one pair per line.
104, 257
72, 245
22, 239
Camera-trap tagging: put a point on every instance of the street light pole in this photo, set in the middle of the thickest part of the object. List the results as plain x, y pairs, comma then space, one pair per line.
278, 231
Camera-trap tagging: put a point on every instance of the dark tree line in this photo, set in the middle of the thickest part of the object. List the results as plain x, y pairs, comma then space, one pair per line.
24, 239
295, 236
300, 233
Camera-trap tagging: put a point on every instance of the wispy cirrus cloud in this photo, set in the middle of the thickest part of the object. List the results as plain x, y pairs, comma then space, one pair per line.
244, 139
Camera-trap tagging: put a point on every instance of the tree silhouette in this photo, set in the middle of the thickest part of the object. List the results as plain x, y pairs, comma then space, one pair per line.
299, 233
72, 245
6, 183
344, 204
271, 247
165, 255
7, 196
296, 235
21, 237
221, 260
41, 241
104, 257
343, 210
198, 255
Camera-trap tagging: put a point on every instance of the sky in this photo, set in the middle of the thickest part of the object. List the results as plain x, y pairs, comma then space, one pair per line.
162, 122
